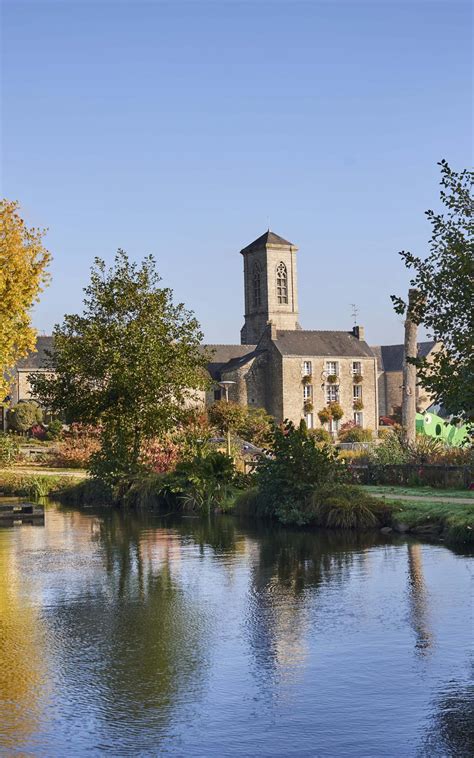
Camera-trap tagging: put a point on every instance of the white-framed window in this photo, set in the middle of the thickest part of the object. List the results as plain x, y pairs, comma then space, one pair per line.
356, 367
356, 392
307, 368
307, 391
332, 393
309, 420
332, 367
359, 418
334, 426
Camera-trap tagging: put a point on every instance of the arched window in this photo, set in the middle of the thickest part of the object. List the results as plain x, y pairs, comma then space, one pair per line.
257, 294
282, 284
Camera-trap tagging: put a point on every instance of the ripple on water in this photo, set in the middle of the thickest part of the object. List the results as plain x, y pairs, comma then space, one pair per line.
124, 635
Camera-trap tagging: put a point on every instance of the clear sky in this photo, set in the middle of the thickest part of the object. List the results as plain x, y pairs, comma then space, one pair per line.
182, 129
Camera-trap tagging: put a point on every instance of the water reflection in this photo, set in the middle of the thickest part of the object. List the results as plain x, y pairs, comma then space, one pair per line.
171, 636
23, 669
419, 606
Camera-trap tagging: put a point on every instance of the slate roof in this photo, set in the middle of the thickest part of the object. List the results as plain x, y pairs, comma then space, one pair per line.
38, 359
305, 342
269, 238
390, 357
222, 355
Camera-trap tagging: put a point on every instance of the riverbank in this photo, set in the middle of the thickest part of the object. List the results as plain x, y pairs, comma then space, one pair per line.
432, 515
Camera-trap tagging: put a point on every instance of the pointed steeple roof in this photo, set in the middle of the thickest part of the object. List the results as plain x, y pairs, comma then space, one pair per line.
269, 239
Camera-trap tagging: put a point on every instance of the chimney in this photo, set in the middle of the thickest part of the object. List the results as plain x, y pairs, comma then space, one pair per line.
359, 333
272, 330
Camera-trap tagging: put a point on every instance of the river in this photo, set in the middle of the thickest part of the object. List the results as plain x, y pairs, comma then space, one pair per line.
124, 635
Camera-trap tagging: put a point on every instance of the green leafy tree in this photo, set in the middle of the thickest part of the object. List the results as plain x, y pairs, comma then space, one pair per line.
23, 416
129, 364
444, 282
252, 424
287, 478
226, 416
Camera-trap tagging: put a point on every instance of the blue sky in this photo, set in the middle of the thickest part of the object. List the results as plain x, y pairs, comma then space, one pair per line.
180, 129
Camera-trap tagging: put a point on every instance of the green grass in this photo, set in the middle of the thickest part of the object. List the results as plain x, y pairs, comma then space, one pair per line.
454, 521
430, 493
32, 485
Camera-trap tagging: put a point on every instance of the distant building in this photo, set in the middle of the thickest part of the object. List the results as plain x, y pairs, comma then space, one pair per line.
291, 372
390, 372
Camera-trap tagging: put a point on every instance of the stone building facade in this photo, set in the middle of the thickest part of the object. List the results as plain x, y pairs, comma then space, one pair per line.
290, 372
390, 376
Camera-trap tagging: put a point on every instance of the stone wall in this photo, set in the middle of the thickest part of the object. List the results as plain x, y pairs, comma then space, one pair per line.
284, 316
293, 388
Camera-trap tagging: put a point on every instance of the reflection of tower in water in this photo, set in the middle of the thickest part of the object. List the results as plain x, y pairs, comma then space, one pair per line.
418, 600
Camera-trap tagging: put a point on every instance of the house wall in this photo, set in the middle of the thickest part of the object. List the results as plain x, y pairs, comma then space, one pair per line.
293, 388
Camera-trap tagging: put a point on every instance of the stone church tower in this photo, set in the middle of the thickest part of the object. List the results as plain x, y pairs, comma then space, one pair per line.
270, 286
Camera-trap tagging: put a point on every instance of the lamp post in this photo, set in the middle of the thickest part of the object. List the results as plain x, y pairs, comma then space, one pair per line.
226, 385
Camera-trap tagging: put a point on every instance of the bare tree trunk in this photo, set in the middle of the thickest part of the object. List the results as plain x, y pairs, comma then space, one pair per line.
409, 374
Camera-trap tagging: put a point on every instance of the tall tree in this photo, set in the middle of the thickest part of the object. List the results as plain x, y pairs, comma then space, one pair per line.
129, 363
444, 281
23, 274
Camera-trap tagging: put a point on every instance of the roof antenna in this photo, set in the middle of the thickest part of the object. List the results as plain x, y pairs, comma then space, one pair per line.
268, 223
355, 312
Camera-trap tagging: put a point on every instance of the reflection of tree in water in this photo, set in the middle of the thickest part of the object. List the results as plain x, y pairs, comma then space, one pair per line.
418, 598
451, 733
289, 565
137, 644
23, 671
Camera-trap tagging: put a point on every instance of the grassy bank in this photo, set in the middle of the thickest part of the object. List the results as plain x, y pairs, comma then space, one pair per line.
429, 493
21, 484
450, 522
333, 506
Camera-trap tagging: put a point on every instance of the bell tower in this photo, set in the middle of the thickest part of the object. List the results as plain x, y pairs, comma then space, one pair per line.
270, 286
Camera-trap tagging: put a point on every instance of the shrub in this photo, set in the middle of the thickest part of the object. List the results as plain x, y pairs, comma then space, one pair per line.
390, 451
160, 456
347, 507
246, 502
9, 449
320, 435
23, 416
355, 434
332, 379
357, 378
256, 427
203, 484
54, 430
252, 424
38, 432
298, 465
308, 406
425, 449
358, 405
75, 450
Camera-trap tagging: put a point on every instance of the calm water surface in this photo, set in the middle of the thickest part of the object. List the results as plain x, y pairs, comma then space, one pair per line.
129, 636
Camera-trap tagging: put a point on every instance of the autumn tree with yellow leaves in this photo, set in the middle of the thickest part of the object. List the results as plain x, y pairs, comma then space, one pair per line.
23, 275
